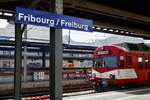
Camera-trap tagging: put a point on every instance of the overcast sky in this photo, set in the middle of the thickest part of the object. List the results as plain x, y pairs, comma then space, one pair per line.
43, 33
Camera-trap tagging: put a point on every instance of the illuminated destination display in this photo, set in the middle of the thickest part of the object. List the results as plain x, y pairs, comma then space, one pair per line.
101, 52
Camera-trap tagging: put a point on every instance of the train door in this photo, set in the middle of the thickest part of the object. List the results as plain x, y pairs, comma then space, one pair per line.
148, 77
141, 69
146, 68
129, 61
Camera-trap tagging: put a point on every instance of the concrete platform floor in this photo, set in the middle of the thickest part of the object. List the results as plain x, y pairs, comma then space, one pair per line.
130, 94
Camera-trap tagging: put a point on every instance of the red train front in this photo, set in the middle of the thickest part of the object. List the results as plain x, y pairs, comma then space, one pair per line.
121, 65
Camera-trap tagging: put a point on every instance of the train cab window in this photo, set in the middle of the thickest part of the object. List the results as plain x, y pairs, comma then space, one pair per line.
140, 62
98, 63
121, 62
106, 62
110, 61
146, 62
129, 61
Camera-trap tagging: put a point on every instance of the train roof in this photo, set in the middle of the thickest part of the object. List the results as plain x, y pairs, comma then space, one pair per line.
141, 47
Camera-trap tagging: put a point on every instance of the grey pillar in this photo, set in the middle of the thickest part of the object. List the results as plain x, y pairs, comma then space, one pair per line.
56, 55
25, 56
18, 62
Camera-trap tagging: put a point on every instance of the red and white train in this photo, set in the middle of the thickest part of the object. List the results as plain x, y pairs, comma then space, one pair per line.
121, 65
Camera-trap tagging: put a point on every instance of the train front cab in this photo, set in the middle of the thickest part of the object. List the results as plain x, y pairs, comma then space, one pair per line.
129, 68
106, 64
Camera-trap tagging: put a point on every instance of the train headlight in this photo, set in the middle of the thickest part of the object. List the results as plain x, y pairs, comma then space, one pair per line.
93, 75
104, 82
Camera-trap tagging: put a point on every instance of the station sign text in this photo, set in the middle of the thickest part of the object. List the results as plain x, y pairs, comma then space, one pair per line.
35, 17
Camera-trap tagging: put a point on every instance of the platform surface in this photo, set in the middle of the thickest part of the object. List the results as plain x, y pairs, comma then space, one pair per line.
130, 94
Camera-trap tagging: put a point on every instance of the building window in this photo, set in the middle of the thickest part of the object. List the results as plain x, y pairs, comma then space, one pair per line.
70, 64
6, 64
129, 61
6, 52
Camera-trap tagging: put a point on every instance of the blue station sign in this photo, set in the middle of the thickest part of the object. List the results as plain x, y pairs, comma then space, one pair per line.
35, 17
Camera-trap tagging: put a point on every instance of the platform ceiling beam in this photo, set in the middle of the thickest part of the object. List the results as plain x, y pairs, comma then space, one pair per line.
106, 10
7, 0
140, 27
97, 9
138, 31
32, 3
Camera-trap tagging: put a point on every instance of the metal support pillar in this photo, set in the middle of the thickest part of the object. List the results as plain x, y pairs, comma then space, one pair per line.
18, 61
56, 55
43, 57
25, 56
56, 65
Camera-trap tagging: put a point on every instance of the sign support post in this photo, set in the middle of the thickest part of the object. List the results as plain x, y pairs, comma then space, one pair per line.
25, 56
18, 61
56, 55
56, 22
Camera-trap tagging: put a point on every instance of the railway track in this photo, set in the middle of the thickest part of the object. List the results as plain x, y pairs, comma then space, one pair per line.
45, 91
76, 88
69, 90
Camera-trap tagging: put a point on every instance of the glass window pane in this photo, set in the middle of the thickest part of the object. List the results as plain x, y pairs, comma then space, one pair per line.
129, 61
110, 62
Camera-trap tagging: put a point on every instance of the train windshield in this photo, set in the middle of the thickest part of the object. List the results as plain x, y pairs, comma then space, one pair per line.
106, 62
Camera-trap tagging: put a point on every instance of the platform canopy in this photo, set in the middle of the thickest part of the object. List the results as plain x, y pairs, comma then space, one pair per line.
124, 15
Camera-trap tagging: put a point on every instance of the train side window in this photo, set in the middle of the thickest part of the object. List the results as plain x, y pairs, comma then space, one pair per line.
140, 62
149, 63
129, 61
146, 62
121, 62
